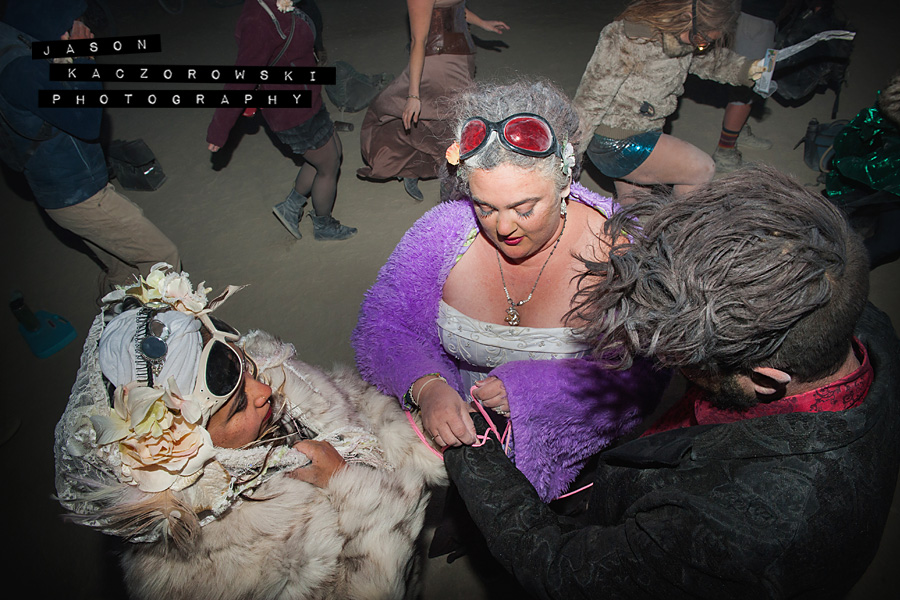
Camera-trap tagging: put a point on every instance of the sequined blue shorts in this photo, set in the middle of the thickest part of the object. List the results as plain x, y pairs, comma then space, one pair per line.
618, 158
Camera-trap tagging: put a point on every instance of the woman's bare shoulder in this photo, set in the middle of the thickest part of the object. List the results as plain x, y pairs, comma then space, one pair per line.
592, 241
594, 215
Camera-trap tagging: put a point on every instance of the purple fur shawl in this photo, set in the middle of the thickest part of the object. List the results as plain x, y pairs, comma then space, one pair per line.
563, 411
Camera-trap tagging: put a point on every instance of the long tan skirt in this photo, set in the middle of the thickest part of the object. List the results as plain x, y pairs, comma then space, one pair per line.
391, 151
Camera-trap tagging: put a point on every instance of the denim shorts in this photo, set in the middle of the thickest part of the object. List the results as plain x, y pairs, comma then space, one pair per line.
618, 158
309, 135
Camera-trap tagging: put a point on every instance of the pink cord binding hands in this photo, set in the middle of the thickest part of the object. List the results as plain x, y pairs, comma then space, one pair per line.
480, 439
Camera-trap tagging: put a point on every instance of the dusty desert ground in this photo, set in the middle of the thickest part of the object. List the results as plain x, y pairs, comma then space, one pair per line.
308, 292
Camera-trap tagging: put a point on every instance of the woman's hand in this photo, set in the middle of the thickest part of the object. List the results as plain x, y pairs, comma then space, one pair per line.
445, 416
321, 57
213, 148
494, 26
492, 394
325, 463
757, 69
79, 31
411, 112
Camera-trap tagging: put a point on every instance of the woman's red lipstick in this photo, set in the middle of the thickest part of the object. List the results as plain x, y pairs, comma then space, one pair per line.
512, 241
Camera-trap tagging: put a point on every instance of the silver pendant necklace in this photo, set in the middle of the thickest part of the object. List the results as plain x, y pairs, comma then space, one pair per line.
512, 315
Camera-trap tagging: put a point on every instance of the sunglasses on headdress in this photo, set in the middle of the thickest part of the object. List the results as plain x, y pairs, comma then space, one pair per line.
222, 365
524, 133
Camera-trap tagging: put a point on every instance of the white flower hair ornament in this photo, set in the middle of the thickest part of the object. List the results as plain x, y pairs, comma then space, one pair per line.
568, 159
160, 448
163, 287
141, 465
285, 5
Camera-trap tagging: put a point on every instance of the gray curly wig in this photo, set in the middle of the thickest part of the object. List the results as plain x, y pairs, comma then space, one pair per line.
495, 102
751, 270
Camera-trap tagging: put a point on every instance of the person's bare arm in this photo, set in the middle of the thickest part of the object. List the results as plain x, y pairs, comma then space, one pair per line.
419, 22
492, 26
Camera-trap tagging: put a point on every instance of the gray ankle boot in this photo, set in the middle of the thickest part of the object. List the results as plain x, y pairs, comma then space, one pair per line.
411, 185
290, 212
329, 228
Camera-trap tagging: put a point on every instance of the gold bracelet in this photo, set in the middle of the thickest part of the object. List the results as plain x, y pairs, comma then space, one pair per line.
424, 385
412, 96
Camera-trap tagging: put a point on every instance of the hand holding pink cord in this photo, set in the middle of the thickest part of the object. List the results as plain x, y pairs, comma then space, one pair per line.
445, 416
491, 392
481, 438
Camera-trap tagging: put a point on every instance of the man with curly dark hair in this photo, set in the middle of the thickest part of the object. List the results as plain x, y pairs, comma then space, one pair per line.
773, 475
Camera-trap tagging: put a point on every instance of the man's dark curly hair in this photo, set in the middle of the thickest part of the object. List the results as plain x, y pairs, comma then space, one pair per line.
747, 271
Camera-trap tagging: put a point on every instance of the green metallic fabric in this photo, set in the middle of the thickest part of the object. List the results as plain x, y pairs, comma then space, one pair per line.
866, 156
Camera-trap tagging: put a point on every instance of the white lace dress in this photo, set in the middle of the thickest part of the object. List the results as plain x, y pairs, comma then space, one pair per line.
479, 347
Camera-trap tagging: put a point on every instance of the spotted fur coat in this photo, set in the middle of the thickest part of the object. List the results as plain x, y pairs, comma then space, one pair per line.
355, 539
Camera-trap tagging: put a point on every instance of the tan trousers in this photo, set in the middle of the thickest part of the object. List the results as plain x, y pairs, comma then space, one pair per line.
116, 229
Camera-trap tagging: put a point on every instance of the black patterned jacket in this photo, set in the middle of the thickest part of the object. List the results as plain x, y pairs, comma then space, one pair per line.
787, 506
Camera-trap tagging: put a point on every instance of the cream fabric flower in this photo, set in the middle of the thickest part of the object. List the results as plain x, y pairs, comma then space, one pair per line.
568, 159
190, 408
164, 287
285, 5
159, 447
175, 289
154, 282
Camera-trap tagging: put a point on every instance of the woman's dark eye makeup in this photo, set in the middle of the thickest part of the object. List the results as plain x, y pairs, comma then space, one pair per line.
238, 401
483, 209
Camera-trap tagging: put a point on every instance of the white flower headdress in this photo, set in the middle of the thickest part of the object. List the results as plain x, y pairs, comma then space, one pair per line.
164, 287
568, 159
143, 467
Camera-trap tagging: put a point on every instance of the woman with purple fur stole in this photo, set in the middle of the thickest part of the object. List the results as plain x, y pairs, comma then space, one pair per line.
477, 296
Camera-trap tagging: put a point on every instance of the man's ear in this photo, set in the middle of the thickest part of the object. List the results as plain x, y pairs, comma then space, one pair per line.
768, 381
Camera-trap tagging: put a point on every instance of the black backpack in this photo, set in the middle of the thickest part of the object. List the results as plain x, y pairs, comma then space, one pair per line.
354, 91
823, 66
134, 165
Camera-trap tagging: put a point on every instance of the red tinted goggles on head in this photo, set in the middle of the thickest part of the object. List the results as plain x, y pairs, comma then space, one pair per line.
525, 133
